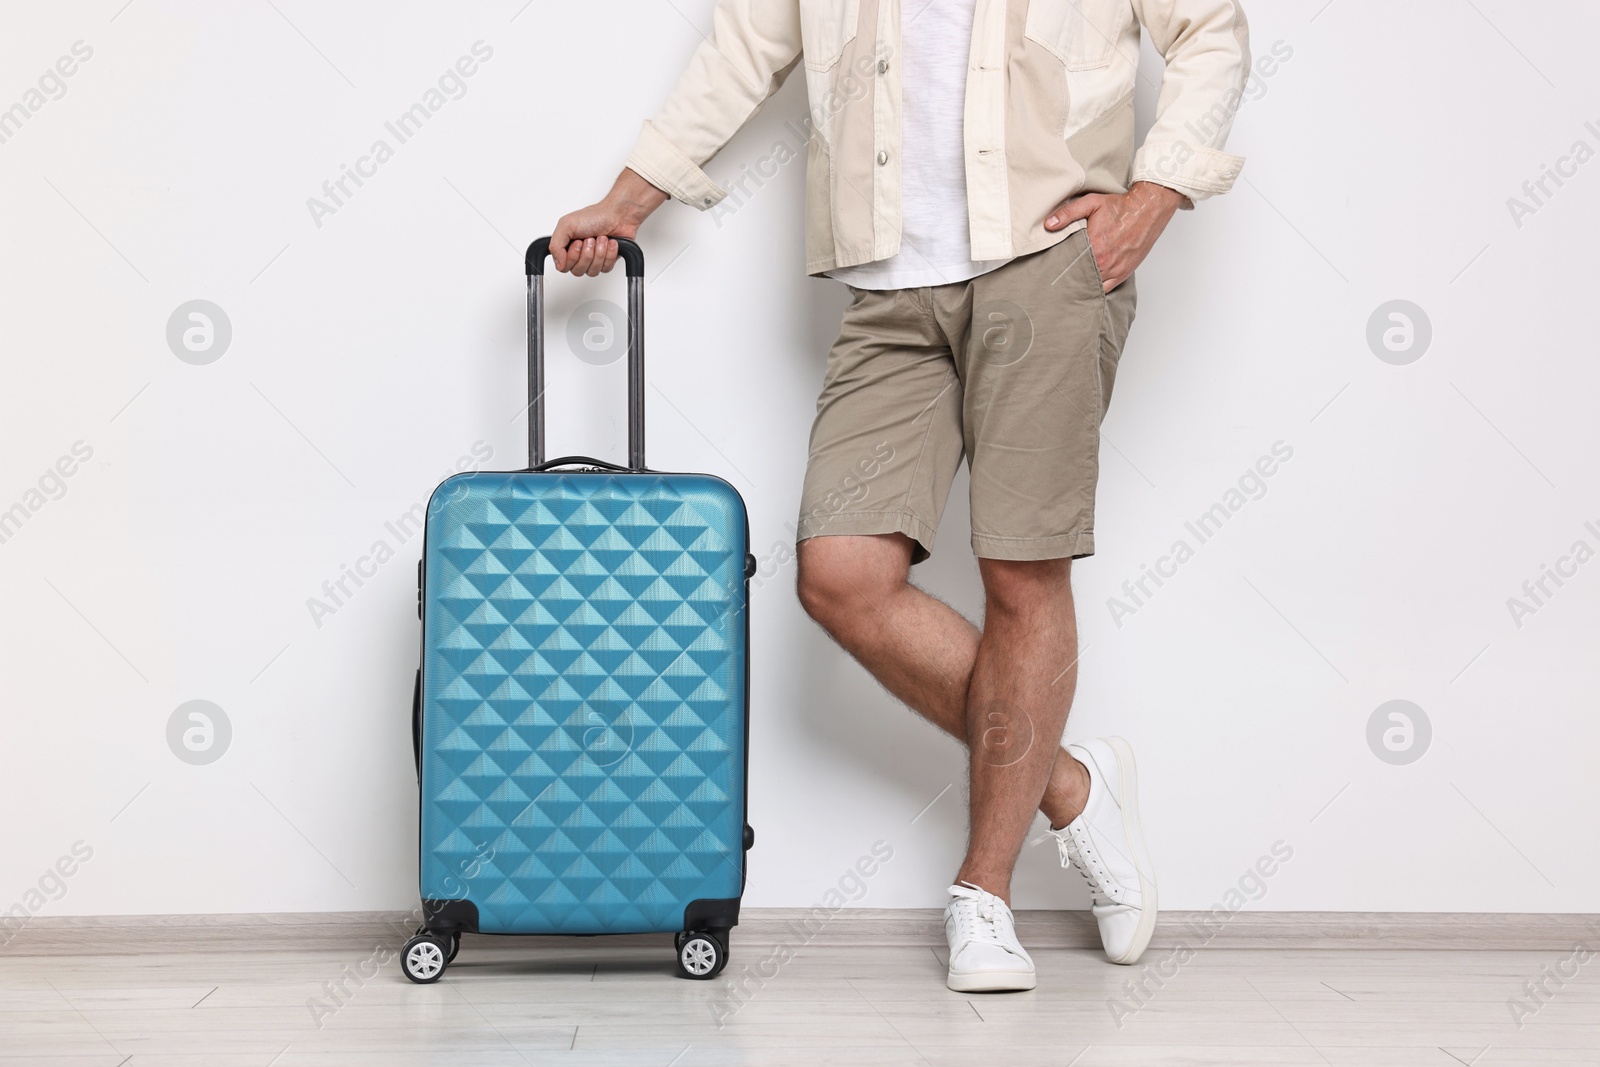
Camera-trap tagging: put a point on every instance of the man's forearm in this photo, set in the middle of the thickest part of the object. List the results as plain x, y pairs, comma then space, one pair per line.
636, 199
1157, 197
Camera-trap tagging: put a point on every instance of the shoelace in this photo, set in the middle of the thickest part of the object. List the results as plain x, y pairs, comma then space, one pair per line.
981, 921
1083, 859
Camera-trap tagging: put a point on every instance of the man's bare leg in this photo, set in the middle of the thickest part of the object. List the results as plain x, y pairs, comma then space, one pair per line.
1017, 708
924, 652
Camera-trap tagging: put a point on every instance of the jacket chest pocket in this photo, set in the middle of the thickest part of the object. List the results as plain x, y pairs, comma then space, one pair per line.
826, 28
1083, 34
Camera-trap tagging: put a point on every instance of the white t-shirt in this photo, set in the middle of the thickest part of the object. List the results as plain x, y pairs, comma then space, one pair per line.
935, 238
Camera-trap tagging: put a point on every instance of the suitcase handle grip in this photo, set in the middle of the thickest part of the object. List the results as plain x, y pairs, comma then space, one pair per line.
633, 259
628, 251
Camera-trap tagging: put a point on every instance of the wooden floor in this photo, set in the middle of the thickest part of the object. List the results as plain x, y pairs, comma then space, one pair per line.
598, 1001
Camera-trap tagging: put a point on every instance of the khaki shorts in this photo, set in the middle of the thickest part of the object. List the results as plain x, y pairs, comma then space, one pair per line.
1011, 371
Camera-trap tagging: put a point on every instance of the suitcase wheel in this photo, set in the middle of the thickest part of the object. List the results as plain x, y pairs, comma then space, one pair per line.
452, 942
702, 954
425, 957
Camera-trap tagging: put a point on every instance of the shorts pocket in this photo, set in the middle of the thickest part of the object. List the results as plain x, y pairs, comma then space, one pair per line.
1083, 34
1094, 263
826, 28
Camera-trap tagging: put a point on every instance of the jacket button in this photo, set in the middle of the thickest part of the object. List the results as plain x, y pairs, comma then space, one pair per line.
883, 66
883, 158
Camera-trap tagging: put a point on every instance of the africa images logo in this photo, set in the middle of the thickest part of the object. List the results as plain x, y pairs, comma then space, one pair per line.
199, 732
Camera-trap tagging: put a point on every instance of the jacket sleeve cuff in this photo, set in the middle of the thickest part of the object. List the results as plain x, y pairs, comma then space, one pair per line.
662, 164
1195, 171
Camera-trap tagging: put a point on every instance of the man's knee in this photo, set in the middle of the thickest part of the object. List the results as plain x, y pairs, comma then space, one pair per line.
1021, 587
843, 576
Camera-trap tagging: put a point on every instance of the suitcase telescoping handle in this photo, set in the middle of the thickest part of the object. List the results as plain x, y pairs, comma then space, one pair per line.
633, 260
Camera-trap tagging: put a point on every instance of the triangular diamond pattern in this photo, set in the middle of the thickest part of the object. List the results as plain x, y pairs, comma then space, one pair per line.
584, 680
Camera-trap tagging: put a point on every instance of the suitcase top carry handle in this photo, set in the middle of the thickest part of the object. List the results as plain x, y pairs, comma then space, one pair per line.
633, 259
629, 252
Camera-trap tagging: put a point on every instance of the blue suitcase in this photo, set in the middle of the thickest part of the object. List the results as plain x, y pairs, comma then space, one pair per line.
580, 713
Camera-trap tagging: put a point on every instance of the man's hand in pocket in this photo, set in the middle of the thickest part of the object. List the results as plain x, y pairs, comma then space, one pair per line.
1122, 228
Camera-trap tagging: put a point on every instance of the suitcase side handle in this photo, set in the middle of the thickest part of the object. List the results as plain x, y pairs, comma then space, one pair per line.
416, 720
633, 260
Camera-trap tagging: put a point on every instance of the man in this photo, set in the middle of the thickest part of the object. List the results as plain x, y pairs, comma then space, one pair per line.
971, 175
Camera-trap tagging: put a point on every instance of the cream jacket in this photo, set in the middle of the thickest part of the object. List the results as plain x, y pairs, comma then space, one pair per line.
1049, 111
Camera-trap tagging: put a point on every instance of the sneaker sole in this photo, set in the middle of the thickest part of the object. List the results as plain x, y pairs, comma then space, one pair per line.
992, 981
1128, 800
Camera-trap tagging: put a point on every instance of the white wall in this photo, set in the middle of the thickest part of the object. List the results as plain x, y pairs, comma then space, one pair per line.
371, 353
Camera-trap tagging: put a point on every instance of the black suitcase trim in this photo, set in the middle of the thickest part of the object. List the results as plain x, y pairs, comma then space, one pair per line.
451, 916
711, 914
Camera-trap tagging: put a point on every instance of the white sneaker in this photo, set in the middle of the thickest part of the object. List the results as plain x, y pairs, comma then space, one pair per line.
1105, 845
985, 956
